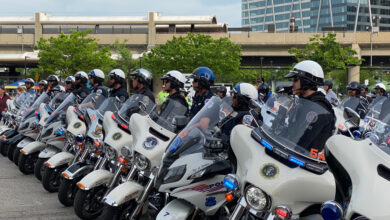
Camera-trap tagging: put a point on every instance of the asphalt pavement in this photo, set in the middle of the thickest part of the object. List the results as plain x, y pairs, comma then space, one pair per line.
23, 197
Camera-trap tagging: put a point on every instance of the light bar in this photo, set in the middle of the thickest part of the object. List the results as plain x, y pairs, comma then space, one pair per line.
266, 144
296, 161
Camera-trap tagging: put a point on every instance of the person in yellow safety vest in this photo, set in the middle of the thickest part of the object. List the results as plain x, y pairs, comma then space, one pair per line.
162, 96
184, 93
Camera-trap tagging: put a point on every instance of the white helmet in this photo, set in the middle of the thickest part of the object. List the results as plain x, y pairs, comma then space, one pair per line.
309, 70
176, 78
117, 73
144, 76
247, 90
380, 86
97, 73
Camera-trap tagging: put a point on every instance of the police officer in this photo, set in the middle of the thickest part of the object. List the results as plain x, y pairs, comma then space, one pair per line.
243, 94
203, 79
117, 84
264, 92
81, 89
365, 93
380, 90
96, 79
69, 82
29, 83
52, 81
354, 89
221, 91
174, 81
42, 86
142, 80
318, 120
330, 95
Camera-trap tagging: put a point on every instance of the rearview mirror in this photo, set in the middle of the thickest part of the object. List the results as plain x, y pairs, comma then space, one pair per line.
179, 122
351, 116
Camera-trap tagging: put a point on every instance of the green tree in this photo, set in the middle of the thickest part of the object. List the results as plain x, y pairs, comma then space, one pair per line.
69, 53
194, 50
330, 54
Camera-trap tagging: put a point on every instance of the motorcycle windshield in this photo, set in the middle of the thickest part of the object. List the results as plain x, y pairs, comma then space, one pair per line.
378, 109
193, 137
92, 101
380, 129
293, 129
43, 98
351, 102
165, 118
132, 105
56, 101
110, 104
63, 101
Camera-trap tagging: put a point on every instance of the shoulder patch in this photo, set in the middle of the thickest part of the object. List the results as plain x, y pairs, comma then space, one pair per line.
311, 117
247, 120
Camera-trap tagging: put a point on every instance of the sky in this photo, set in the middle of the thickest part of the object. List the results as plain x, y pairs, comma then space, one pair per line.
226, 11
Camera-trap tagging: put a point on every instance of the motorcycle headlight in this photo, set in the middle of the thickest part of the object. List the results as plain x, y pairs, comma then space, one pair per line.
110, 152
141, 162
70, 138
256, 198
127, 152
175, 174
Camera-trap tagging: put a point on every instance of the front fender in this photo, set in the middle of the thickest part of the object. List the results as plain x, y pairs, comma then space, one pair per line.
175, 210
48, 152
94, 179
24, 142
4, 128
76, 170
60, 159
33, 147
123, 193
16, 139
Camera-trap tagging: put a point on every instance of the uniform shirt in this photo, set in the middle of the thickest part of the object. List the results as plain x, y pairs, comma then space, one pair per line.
31, 91
103, 90
146, 92
318, 125
82, 93
264, 99
121, 93
177, 97
332, 98
237, 117
198, 102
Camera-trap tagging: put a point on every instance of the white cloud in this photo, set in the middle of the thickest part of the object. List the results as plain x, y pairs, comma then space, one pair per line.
227, 11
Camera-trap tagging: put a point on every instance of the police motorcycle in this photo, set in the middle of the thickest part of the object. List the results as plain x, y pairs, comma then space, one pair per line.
48, 138
277, 176
94, 186
361, 169
22, 103
152, 134
341, 123
76, 129
193, 168
92, 156
28, 128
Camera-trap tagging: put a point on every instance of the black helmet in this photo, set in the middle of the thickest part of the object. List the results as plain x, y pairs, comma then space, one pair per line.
144, 76
364, 87
222, 89
328, 83
54, 79
354, 86
263, 88
279, 89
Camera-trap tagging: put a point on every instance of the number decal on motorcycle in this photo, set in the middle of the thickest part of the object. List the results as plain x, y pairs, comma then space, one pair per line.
315, 155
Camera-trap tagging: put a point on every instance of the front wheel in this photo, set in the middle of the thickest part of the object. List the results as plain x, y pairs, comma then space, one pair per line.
118, 213
67, 191
51, 178
4, 148
26, 162
11, 150
39, 168
16, 155
88, 203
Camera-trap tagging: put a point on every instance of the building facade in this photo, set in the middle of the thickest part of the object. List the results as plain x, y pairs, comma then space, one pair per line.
314, 15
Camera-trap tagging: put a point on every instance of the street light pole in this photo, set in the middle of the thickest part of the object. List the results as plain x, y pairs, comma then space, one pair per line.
25, 65
261, 68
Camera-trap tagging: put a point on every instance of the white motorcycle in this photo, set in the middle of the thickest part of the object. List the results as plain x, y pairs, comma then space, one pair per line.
194, 166
94, 186
362, 170
279, 175
152, 134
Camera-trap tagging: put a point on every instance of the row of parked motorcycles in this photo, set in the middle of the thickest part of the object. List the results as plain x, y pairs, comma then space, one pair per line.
126, 160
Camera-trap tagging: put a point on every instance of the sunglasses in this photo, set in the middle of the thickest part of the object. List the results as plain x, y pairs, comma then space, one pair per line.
295, 79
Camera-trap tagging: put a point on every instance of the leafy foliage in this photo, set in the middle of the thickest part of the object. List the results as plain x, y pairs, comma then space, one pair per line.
67, 54
187, 53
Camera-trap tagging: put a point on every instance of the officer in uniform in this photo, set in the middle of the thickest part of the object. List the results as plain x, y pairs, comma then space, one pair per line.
42, 86
317, 119
354, 89
173, 81
203, 79
142, 80
264, 93
330, 95
29, 83
117, 84
69, 81
243, 94
81, 90
96, 79
221, 91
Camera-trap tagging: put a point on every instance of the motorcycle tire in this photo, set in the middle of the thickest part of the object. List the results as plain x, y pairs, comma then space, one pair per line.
39, 168
11, 151
26, 163
67, 192
16, 155
51, 178
118, 213
88, 203
2, 149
